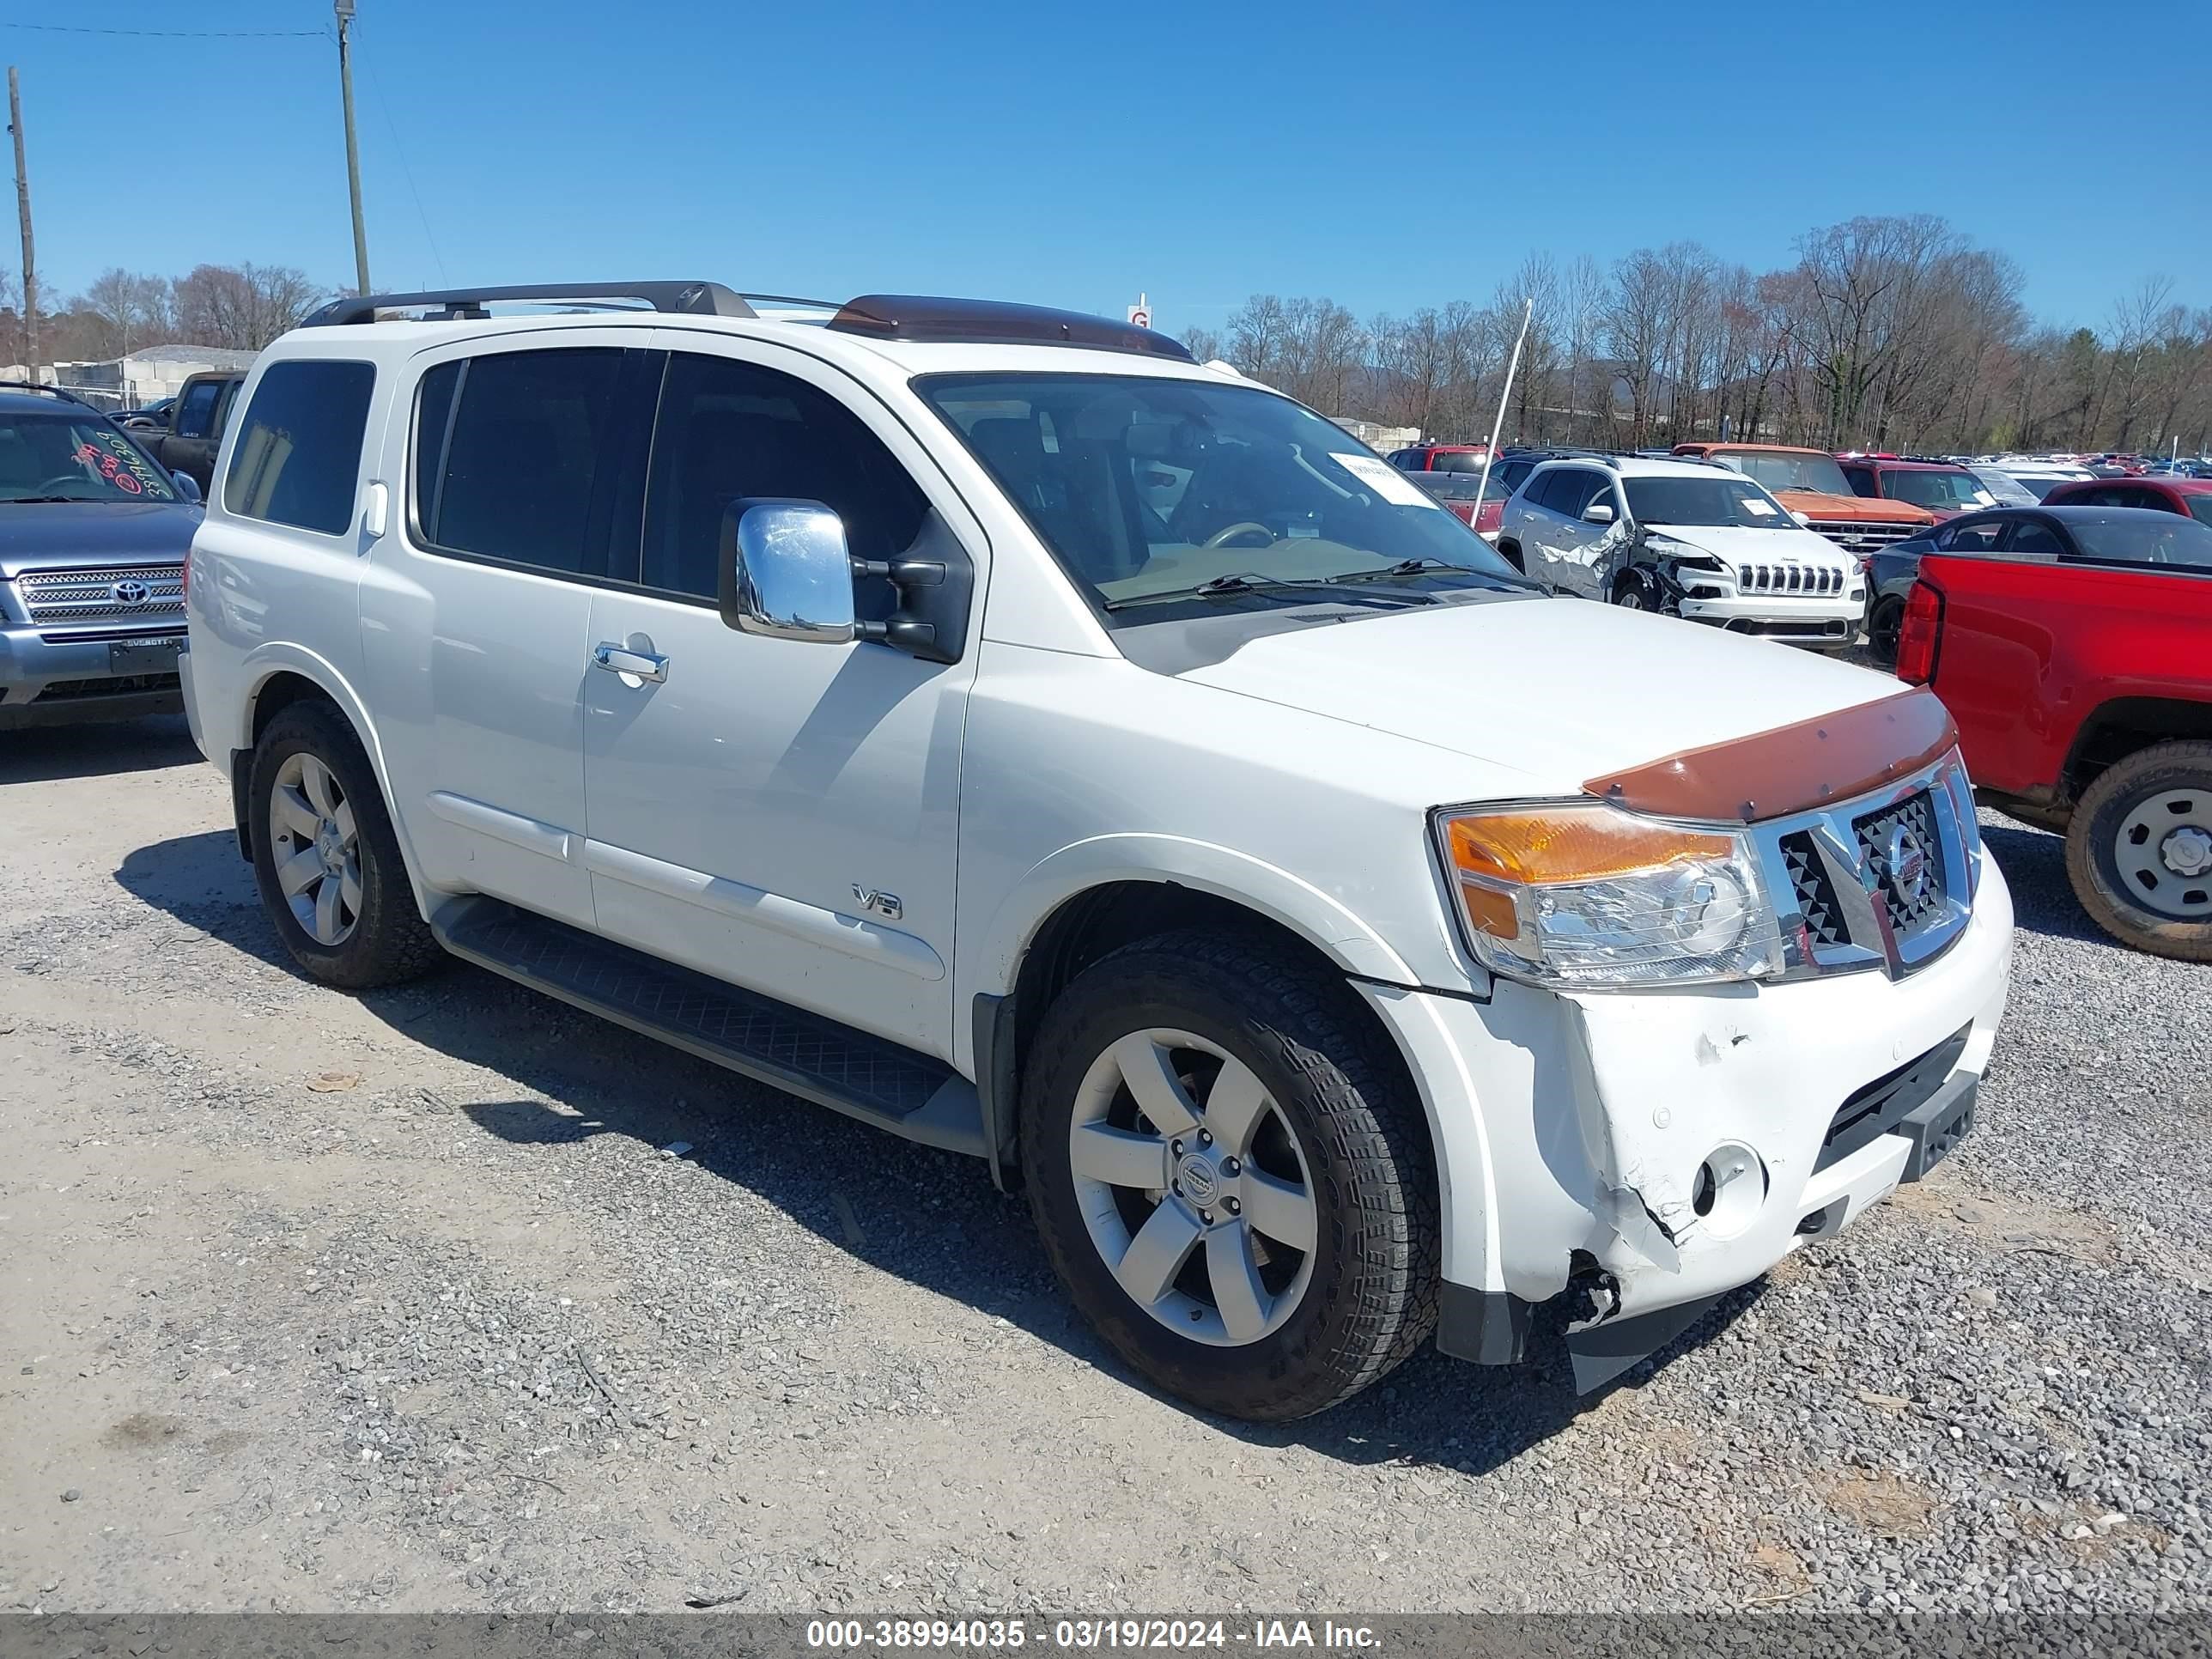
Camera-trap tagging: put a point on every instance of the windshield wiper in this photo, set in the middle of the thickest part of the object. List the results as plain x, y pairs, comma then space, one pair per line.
1423, 564
1252, 582
44, 500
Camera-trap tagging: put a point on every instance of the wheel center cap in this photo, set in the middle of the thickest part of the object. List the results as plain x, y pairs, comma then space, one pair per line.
1201, 1180
330, 848
2187, 851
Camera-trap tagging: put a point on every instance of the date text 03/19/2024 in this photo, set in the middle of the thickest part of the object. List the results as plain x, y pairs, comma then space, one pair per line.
1085, 1635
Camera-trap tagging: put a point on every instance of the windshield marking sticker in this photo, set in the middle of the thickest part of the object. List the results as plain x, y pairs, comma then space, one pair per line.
1763, 510
120, 464
1386, 481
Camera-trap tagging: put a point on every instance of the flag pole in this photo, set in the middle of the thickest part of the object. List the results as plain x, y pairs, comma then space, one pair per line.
1489, 449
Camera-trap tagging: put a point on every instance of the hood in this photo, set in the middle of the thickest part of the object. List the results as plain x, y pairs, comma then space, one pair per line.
1558, 690
1742, 544
43, 535
1862, 509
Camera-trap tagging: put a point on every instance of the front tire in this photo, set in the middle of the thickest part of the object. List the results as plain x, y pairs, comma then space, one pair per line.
2139, 851
324, 856
1230, 1175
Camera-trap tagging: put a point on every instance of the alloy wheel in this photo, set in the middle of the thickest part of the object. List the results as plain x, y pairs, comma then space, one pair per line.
1194, 1187
315, 849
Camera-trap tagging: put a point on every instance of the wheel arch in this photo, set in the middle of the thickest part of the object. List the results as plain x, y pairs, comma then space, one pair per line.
281, 677
1093, 897
2121, 726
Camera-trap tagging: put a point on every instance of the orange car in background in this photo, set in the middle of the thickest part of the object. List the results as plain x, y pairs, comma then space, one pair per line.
1811, 484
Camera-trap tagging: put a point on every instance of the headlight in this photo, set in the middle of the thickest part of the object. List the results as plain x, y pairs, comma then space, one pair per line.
1578, 893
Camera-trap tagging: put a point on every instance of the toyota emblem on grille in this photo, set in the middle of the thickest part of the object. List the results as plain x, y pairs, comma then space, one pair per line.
130, 592
1906, 861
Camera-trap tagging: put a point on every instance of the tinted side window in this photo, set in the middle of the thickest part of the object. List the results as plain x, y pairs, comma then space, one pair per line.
297, 459
1862, 481
1978, 536
195, 411
510, 474
2030, 537
1546, 489
729, 431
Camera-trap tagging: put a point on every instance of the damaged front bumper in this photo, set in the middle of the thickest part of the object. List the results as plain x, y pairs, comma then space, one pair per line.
1656, 1149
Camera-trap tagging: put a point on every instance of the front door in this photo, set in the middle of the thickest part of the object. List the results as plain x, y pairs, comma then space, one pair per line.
780, 813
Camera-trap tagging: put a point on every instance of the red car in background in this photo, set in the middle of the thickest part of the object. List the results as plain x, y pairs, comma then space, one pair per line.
2075, 656
1944, 488
1440, 458
1457, 490
2190, 496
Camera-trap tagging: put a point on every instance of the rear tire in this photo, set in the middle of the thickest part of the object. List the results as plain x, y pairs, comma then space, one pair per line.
317, 825
1884, 625
2139, 851
1279, 1266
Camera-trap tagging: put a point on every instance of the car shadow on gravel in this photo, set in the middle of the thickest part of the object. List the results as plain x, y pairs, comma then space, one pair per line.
2034, 866
49, 754
927, 1217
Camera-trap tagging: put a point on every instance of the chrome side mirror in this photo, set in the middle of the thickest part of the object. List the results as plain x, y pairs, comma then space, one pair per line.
786, 573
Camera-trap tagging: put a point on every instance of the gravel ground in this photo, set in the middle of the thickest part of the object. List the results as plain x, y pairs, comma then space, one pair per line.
317, 1303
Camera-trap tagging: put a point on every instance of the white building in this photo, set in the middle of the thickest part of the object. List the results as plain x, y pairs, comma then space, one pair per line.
138, 377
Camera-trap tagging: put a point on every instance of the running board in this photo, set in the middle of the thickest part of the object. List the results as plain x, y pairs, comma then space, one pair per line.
865, 1076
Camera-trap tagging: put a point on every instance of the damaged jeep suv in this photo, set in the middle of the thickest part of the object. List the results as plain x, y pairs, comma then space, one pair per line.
991, 724
1687, 538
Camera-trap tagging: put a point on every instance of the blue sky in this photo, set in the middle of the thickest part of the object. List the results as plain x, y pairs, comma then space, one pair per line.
1072, 155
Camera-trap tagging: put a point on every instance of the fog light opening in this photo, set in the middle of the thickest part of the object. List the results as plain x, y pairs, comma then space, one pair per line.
1729, 1189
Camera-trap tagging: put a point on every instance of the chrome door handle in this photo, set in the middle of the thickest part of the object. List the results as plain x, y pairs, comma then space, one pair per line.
638, 665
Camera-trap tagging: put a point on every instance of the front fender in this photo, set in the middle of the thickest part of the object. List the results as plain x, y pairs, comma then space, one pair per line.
1260, 887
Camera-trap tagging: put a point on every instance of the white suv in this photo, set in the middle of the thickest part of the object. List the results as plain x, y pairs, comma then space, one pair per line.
1688, 539
989, 723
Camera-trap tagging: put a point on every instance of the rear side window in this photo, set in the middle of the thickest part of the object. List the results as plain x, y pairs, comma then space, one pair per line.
297, 459
196, 411
507, 448
1862, 481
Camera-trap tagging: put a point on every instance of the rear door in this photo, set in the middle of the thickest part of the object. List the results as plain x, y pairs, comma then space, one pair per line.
476, 615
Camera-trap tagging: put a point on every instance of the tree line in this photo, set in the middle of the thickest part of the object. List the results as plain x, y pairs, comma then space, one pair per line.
1893, 333
241, 307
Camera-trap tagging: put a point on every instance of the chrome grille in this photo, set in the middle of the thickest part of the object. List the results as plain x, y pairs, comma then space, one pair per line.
1804, 580
1858, 536
1816, 893
1900, 849
1884, 881
103, 590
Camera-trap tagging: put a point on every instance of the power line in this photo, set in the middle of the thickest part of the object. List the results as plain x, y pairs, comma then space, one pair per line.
177, 35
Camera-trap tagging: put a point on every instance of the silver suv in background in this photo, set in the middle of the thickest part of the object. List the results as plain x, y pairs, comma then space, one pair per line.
1685, 538
93, 538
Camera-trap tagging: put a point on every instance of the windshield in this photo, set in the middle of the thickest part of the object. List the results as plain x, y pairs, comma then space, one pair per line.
1707, 501
2200, 506
2143, 538
75, 458
1944, 491
1456, 461
1145, 487
1785, 470
2004, 489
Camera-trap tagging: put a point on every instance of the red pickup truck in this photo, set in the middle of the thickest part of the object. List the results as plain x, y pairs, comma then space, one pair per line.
2082, 692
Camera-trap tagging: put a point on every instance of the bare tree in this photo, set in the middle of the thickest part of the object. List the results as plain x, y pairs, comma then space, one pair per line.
242, 307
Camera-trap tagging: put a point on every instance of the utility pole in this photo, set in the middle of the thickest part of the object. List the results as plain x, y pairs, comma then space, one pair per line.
23, 208
344, 10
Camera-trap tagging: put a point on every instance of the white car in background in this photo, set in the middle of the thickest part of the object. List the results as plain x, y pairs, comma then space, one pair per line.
2040, 478
1688, 539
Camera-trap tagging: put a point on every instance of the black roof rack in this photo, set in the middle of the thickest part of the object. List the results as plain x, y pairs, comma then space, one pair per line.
991, 322
707, 299
61, 392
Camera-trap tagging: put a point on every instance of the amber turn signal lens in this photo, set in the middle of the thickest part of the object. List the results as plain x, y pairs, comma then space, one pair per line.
1571, 843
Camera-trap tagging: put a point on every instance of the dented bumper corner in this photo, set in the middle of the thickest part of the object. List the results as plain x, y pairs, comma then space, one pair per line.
1684, 1141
